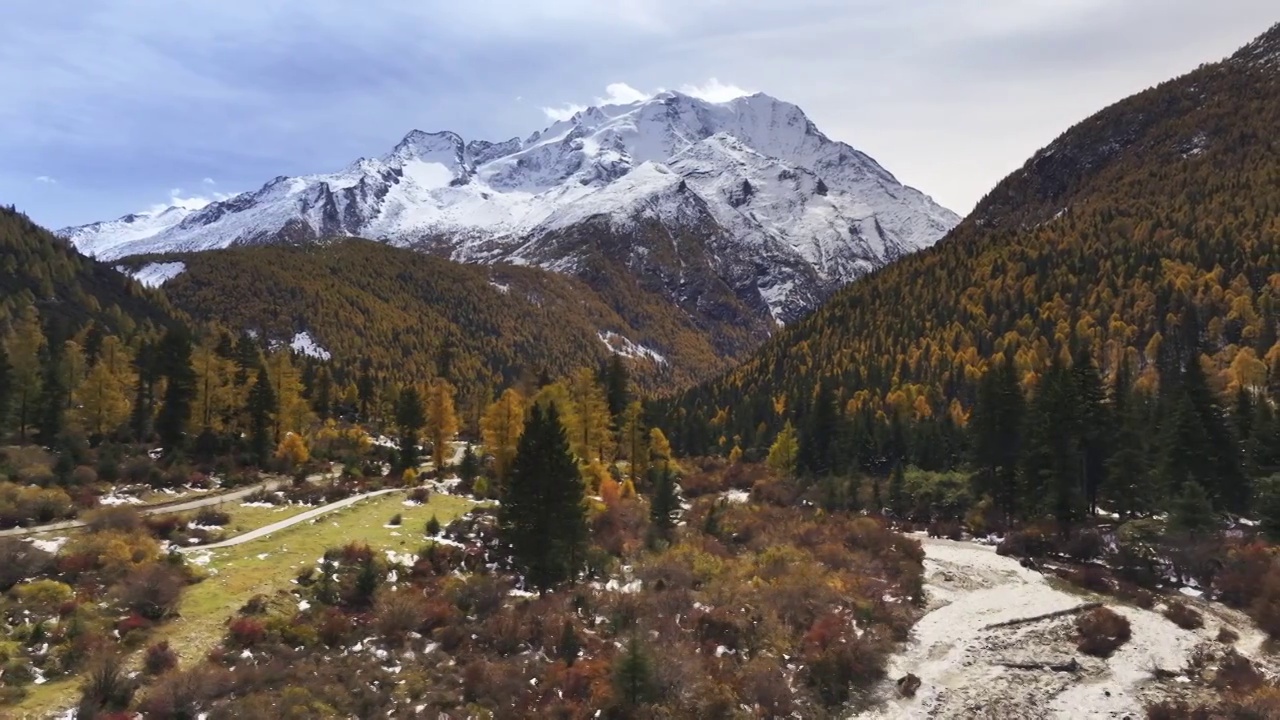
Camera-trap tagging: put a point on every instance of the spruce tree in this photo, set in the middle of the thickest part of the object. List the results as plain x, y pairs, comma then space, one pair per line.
1130, 488
1192, 511
1095, 426
570, 645
410, 417
261, 404
617, 388
814, 456
542, 519
898, 492
140, 418
996, 430
6, 389
52, 402
633, 675
665, 503
173, 357
469, 467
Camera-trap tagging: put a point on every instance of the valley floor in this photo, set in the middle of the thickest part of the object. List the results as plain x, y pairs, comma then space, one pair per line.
985, 612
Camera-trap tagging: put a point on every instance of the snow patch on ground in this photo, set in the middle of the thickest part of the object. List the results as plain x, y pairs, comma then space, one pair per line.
52, 545
303, 344
153, 275
624, 347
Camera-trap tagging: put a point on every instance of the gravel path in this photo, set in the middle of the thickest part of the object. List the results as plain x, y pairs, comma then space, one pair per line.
289, 522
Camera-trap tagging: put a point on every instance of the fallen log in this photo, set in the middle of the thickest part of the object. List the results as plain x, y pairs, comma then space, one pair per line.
1047, 616
1068, 666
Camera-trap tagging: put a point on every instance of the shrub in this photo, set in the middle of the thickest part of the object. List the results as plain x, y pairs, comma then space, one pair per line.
419, 495
212, 516
117, 518
1184, 616
151, 591
1101, 631
246, 632
107, 686
1091, 577
1227, 636
433, 526
396, 519
1266, 606
20, 560
159, 659
1031, 542
1085, 546
1237, 673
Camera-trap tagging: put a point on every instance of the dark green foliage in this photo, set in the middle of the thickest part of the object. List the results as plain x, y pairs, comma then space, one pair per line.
995, 429
1192, 512
665, 502
570, 645
261, 404
633, 675
53, 396
898, 491
173, 361
6, 389
469, 467
617, 382
542, 519
1267, 506
410, 418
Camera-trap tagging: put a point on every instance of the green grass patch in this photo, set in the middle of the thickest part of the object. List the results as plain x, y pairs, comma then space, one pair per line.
263, 567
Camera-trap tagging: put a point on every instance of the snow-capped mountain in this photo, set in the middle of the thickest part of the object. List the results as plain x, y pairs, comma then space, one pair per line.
782, 213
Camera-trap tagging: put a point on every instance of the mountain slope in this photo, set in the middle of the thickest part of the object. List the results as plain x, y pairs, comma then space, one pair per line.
415, 316
1145, 232
795, 214
68, 288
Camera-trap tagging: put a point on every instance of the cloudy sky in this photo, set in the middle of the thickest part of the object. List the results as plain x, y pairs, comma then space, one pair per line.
115, 106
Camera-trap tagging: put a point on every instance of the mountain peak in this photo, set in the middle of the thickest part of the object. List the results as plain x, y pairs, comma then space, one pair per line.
418, 143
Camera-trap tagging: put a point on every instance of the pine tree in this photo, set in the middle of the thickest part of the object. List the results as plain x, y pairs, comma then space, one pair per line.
996, 429
1129, 483
6, 389
1198, 445
898, 491
541, 517
469, 468
633, 675
570, 645
322, 396
665, 503
441, 419
1192, 511
366, 390
140, 418
635, 443
1052, 461
617, 387
500, 430
52, 402
247, 360
814, 457
1095, 425
410, 418
260, 405
25, 345
173, 357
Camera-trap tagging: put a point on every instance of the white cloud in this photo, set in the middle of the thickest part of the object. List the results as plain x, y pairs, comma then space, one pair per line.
209, 181
46, 180
194, 202
714, 91
620, 93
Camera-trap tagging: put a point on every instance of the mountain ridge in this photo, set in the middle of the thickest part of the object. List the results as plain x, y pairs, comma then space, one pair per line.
820, 211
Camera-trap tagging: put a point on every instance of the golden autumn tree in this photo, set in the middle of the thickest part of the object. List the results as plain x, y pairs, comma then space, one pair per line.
500, 429
591, 438
442, 418
635, 442
102, 401
217, 396
293, 412
23, 345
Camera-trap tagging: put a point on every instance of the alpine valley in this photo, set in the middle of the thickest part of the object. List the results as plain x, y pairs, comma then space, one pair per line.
739, 215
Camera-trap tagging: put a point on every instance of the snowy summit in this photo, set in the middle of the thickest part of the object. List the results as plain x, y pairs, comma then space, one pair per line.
801, 213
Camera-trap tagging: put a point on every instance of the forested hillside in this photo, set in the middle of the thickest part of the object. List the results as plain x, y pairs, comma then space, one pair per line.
69, 289
1142, 240
413, 315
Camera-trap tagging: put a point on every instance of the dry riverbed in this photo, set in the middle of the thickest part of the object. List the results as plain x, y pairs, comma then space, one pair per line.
985, 614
